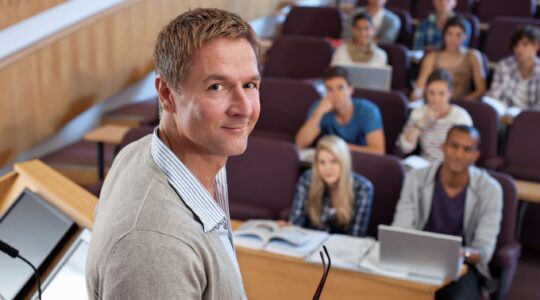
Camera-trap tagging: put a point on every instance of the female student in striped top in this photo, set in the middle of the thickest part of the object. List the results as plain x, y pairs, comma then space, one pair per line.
429, 124
330, 196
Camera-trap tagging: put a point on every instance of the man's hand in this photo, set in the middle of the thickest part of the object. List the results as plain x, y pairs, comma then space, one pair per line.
324, 106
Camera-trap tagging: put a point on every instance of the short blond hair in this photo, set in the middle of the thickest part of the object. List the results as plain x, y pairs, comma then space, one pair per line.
179, 41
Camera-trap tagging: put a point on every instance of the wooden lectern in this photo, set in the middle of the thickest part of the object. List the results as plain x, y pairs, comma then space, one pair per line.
66, 196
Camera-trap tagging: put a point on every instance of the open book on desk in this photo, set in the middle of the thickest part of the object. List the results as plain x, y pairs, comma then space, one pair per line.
285, 240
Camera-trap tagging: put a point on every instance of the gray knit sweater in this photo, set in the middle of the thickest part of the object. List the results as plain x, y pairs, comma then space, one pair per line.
147, 244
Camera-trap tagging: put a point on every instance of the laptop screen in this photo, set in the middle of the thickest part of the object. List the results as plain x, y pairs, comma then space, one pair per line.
35, 228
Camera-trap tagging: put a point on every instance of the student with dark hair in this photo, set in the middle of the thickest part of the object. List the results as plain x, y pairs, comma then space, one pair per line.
464, 64
429, 124
330, 196
428, 35
385, 22
456, 198
361, 48
517, 78
357, 121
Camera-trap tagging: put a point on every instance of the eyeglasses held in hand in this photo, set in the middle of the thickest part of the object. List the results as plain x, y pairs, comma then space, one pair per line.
326, 269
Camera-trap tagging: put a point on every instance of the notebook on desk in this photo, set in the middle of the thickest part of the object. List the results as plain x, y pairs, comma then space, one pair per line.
369, 77
420, 252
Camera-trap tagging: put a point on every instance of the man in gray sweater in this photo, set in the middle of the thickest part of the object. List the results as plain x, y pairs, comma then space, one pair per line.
162, 226
455, 197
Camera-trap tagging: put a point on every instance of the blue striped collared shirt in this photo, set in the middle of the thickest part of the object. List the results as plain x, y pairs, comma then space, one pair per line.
214, 214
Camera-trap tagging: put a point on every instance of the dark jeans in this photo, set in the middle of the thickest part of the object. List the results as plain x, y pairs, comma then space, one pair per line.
467, 287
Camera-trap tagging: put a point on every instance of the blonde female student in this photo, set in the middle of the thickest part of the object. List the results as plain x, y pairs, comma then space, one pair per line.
330, 196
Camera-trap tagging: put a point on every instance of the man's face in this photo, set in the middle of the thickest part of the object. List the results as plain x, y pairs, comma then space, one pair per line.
338, 91
444, 5
460, 151
218, 104
525, 50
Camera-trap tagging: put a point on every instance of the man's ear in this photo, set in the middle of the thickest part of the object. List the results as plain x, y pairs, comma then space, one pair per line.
165, 94
476, 155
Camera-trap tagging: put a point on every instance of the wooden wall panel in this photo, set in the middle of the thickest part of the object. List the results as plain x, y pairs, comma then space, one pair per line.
14, 11
44, 86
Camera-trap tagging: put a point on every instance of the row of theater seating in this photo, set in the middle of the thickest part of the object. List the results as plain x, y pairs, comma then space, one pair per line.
305, 21
306, 57
285, 102
262, 184
486, 10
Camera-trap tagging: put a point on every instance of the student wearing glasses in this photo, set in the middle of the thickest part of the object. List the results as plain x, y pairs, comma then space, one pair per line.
330, 196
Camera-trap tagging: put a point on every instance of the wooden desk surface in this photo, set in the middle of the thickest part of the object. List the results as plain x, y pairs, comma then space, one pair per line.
109, 133
272, 276
528, 191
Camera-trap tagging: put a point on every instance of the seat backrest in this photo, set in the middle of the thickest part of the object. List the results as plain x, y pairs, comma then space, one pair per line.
403, 4
490, 9
386, 175
132, 135
284, 105
406, 33
394, 112
522, 152
486, 120
501, 29
510, 203
265, 175
298, 57
400, 62
313, 21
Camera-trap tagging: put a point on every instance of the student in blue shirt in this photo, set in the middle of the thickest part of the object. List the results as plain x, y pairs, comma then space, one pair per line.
330, 196
357, 121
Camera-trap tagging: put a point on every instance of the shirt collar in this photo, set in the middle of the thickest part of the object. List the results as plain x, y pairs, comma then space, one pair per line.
188, 187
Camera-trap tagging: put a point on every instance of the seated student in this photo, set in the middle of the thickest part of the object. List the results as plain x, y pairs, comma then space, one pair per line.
429, 123
386, 24
517, 78
357, 121
330, 196
428, 35
464, 64
455, 197
361, 49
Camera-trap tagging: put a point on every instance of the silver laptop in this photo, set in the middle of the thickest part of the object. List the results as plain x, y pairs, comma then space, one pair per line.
369, 77
420, 252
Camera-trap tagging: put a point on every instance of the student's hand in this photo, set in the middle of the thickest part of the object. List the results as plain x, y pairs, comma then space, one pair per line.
430, 116
416, 94
412, 133
324, 106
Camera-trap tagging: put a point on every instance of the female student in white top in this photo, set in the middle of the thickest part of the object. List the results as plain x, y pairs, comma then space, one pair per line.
330, 196
429, 124
361, 49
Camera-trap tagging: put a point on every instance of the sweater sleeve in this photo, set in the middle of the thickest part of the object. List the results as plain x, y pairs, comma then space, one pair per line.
150, 265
